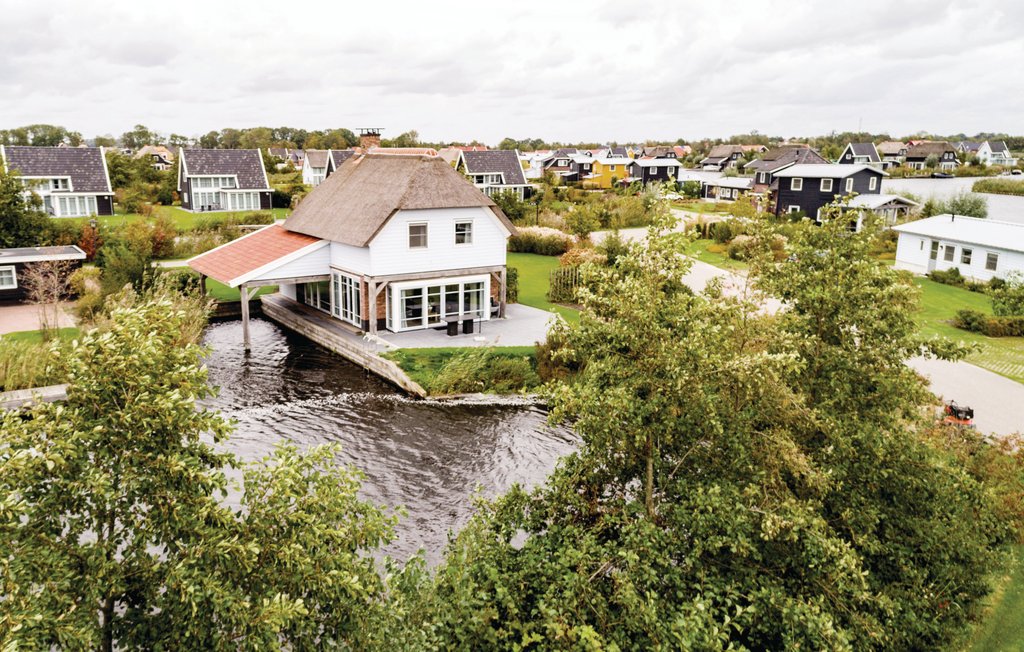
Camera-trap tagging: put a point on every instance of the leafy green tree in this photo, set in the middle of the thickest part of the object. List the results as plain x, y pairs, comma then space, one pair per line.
22, 222
510, 204
931, 161
211, 140
1008, 298
139, 136
967, 203
104, 141
114, 530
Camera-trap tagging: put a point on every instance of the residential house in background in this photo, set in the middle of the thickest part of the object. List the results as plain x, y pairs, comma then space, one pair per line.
682, 151
779, 158
653, 170
71, 181
160, 157
494, 171
314, 167
891, 208
860, 154
609, 172
563, 164
450, 155
726, 188
893, 153
981, 249
722, 156
944, 154
387, 242
222, 180
402, 151
808, 188
658, 151
995, 152
13, 263
336, 157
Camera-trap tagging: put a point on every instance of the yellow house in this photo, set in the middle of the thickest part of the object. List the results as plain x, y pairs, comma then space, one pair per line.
608, 171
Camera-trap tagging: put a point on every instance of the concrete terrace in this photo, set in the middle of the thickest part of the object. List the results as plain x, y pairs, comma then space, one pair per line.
522, 326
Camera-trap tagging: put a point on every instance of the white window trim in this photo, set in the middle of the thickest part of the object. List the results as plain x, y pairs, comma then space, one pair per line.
792, 208
14, 277
829, 182
426, 235
849, 184
796, 184
995, 267
873, 183
470, 233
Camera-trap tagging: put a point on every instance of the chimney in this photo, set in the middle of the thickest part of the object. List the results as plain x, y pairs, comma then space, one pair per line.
369, 137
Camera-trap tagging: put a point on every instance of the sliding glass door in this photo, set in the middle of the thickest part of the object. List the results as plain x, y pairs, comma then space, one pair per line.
425, 306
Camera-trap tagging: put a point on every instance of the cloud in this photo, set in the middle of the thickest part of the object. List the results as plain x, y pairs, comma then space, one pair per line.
459, 70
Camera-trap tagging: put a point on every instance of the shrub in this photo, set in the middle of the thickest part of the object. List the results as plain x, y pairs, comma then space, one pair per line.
691, 189
540, 240
970, 320
512, 285
1008, 298
725, 231
562, 284
550, 365
613, 247
26, 364
485, 370
580, 255
999, 186
86, 285
976, 322
514, 208
951, 276
742, 247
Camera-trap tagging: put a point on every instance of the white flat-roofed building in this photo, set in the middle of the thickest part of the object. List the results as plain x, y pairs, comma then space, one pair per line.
981, 249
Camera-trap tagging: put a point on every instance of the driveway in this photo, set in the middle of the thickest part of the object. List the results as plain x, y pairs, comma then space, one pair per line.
998, 402
25, 317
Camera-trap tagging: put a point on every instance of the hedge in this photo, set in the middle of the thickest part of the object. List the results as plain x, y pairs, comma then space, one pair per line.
977, 322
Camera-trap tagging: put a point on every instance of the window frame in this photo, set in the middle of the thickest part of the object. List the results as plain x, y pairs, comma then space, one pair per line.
426, 235
830, 185
848, 186
793, 208
966, 255
949, 253
992, 261
469, 240
796, 184
872, 183
14, 277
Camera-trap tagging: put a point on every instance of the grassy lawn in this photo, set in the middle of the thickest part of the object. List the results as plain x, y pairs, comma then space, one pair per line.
699, 249
534, 272
698, 206
37, 336
939, 302
183, 219
221, 292
1002, 630
423, 364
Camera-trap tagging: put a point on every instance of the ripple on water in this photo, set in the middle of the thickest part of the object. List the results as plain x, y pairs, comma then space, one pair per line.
427, 456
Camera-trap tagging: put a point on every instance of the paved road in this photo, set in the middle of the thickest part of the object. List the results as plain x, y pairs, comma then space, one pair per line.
25, 317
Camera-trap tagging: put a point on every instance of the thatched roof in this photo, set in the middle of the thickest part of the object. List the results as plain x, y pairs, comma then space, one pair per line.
353, 204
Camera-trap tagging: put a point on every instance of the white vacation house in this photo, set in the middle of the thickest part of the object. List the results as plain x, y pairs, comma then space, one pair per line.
981, 249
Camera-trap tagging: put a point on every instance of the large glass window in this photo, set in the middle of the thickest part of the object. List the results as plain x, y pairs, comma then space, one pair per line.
348, 298
473, 299
431, 305
991, 262
76, 206
412, 308
318, 295
417, 236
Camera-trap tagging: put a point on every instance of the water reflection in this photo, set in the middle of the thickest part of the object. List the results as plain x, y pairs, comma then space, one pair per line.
427, 456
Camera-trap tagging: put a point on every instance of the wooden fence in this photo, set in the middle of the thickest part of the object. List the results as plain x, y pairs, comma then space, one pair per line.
562, 283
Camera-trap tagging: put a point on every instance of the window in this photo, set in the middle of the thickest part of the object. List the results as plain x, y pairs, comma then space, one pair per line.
826, 185
991, 262
763, 177
318, 295
796, 184
793, 208
612, 168
654, 170
412, 308
849, 185
965, 256
75, 206
59, 184
873, 183
463, 233
8, 279
347, 304
934, 254
473, 299
417, 236
949, 253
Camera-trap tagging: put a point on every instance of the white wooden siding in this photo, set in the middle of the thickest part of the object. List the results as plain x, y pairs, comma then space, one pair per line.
913, 254
315, 263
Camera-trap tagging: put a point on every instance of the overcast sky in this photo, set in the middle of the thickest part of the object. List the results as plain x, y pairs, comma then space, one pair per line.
558, 70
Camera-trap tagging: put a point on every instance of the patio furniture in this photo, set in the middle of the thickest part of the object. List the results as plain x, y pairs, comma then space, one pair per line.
467, 324
452, 326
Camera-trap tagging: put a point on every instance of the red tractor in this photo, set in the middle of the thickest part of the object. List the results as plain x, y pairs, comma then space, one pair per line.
956, 415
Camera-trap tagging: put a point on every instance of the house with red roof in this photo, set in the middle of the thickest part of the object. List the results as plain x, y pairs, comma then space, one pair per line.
386, 242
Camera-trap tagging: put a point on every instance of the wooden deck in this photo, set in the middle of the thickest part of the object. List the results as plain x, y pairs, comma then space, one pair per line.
336, 336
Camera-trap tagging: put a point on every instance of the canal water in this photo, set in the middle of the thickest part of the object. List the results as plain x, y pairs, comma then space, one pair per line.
426, 456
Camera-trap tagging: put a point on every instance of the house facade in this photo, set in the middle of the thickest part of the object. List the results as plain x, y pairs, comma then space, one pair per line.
14, 262
314, 167
726, 188
981, 249
893, 153
722, 156
222, 180
779, 158
860, 154
494, 171
160, 157
808, 189
387, 242
653, 170
607, 172
943, 153
70, 181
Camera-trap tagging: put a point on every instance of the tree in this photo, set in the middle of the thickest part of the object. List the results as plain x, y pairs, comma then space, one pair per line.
139, 136
114, 534
210, 141
514, 208
46, 284
104, 141
174, 141
406, 139
22, 222
1008, 298
931, 161
967, 203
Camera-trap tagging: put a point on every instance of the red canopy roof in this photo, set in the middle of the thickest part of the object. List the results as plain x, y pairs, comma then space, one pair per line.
249, 253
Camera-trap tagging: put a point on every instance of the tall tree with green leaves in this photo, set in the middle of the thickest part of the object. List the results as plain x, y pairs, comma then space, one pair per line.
115, 527
22, 221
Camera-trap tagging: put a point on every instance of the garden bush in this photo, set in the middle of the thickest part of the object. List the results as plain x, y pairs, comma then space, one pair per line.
484, 370
999, 186
26, 364
580, 255
540, 240
613, 247
951, 276
512, 285
977, 322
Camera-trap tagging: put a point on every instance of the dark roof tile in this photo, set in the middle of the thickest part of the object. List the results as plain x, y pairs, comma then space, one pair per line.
85, 165
496, 161
246, 164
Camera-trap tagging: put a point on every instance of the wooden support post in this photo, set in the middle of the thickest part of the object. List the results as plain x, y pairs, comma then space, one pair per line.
503, 291
202, 284
245, 316
371, 306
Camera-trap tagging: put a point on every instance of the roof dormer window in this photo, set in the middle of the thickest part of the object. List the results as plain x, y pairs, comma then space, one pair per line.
60, 183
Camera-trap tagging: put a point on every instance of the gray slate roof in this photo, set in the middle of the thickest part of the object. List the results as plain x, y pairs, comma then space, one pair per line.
339, 156
36, 254
865, 149
618, 152
830, 171
779, 157
495, 161
998, 146
246, 164
317, 158
85, 165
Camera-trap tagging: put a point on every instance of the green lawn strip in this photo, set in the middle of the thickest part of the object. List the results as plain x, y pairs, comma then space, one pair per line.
422, 365
37, 336
534, 275
1002, 629
939, 303
221, 292
183, 220
698, 249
